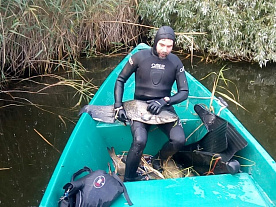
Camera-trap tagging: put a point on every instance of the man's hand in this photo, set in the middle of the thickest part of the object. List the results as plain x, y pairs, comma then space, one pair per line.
120, 114
155, 107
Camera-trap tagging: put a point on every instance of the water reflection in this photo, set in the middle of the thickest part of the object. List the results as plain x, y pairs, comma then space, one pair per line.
26, 160
29, 158
30, 161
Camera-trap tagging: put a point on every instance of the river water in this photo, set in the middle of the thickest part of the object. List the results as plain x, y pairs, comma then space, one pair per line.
26, 117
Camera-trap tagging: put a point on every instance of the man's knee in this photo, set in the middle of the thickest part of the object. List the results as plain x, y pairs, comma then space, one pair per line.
177, 137
140, 137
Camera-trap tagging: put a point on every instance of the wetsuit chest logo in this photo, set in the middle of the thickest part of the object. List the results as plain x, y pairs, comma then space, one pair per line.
156, 73
158, 66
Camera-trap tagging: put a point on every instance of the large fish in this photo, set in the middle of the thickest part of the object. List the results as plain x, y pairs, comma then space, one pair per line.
136, 110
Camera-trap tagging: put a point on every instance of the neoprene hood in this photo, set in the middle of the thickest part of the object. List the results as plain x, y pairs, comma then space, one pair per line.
164, 32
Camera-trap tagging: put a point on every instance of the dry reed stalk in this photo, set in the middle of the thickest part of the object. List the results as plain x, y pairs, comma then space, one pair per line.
47, 141
42, 35
5, 168
113, 33
228, 95
170, 169
149, 170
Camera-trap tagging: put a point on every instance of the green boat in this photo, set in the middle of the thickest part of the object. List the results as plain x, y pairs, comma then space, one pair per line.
254, 185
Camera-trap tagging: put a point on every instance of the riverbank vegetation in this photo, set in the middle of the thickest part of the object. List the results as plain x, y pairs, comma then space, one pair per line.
42, 36
235, 30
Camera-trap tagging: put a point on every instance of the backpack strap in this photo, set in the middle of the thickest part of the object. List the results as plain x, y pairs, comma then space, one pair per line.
124, 188
84, 169
67, 200
72, 188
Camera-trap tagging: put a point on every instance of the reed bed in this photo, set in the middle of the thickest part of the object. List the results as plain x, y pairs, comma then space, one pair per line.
41, 36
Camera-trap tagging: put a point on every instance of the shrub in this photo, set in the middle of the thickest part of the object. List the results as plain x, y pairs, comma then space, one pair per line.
236, 30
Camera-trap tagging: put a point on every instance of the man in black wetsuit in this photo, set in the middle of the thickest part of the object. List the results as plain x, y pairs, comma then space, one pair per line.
155, 70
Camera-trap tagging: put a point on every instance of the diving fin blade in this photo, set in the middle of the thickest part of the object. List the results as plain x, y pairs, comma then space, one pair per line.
215, 140
235, 143
211, 121
99, 113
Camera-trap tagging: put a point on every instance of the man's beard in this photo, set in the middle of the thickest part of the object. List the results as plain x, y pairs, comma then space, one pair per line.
162, 55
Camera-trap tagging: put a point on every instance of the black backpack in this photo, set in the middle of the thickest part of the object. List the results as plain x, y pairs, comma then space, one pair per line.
96, 189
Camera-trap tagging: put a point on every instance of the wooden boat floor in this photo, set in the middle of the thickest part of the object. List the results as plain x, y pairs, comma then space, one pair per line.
214, 190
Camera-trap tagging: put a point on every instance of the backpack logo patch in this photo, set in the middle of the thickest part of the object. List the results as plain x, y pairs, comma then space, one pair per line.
99, 181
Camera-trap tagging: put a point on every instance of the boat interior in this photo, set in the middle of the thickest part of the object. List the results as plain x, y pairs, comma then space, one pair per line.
207, 190
90, 139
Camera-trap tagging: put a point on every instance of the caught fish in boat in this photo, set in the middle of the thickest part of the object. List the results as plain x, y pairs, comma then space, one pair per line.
119, 165
145, 169
136, 110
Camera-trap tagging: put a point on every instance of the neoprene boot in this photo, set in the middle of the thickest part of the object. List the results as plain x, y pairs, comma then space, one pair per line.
157, 162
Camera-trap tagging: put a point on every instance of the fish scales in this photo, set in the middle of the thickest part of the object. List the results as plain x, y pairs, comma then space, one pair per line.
136, 111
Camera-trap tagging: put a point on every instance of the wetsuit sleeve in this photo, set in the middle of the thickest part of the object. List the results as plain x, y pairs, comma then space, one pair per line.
182, 86
124, 75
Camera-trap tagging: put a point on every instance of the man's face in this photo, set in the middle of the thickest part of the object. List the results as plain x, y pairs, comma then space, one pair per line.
164, 47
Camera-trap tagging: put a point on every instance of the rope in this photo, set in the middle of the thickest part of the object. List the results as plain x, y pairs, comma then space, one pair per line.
211, 171
253, 163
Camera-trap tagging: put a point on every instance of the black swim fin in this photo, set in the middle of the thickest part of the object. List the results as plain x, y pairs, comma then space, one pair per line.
212, 122
215, 140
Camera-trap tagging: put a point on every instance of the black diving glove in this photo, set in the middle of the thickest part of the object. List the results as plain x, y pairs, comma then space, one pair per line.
120, 114
155, 106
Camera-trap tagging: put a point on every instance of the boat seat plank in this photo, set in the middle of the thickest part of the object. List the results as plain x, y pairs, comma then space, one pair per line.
192, 128
216, 190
